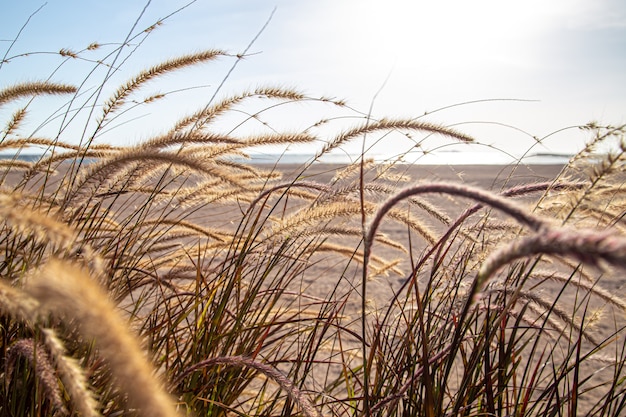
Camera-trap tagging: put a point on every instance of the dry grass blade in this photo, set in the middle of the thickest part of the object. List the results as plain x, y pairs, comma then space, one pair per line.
257, 287
289, 387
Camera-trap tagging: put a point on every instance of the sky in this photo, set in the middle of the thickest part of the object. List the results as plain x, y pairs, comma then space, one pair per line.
524, 69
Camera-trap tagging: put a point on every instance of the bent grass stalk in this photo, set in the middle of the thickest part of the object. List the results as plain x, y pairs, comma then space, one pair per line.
69, 292
230, 301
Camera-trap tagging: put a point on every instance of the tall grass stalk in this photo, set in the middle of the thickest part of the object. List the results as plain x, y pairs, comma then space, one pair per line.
174, 276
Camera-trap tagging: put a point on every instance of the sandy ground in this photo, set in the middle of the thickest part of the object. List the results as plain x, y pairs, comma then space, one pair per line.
488, 177
321, 280
331, 280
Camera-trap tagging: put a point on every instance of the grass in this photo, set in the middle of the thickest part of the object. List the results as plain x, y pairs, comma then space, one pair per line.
171, 277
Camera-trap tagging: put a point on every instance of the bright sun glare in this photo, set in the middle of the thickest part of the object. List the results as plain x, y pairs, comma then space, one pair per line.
424, 33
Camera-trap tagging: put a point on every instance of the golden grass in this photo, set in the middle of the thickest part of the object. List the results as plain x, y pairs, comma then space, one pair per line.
67, 291
29, 89
174, 277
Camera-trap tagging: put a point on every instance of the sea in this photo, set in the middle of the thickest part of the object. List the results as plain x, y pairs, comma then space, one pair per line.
435, 158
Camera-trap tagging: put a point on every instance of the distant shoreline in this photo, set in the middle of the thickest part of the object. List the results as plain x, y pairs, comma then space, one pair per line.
447, 158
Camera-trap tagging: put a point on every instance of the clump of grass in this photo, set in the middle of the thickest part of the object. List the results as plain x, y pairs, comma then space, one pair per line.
173, 276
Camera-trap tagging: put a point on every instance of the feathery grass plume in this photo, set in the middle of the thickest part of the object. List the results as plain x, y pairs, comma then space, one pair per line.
34, 141
355, 255
392, 124
34, 88
493, 226
588, 246
331, 230
351, 170
67, 291
15, 164
279, 92
14, 123
68, 53
432, 210
46, 162
345, 209
561, 183
349, 193
36, 356
187, 138
99, 174
230, 150
218, 235
278, 139
601, 135
305, 218
162, 248
383, 271
15, 303
485, 197
41, 224
584, 283
72, 375
23, 307
611, 163
201, 118
297, 396
403, 217
288, 186
205, 193
123, 91
542, 306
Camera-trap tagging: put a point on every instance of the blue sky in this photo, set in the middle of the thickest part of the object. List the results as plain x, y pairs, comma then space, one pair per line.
567, 56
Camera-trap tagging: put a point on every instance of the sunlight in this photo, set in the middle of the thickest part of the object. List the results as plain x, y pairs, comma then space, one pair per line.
470, 33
